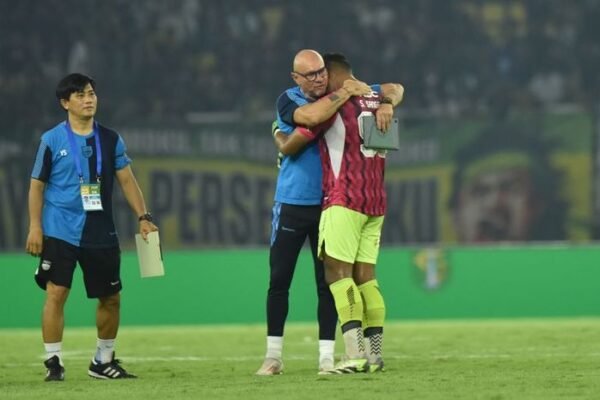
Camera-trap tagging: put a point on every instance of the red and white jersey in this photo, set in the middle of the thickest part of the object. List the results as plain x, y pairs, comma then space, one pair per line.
352, 174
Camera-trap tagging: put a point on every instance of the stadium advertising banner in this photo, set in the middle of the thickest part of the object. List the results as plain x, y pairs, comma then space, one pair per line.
208, 203
470, 181
452, 181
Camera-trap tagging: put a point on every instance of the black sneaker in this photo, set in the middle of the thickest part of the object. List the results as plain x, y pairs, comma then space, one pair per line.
109, 370
55, 371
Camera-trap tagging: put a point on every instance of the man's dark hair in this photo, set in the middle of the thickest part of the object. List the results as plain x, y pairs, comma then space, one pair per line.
73, 83
337, 61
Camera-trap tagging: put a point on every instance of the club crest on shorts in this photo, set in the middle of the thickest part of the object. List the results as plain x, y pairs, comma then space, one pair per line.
46, 265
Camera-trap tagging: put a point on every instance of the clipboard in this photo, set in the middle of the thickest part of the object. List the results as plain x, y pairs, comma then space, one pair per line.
376, 139
149, 255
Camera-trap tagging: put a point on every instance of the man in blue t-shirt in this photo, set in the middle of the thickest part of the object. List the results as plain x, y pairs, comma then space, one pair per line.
71, 221
297, 207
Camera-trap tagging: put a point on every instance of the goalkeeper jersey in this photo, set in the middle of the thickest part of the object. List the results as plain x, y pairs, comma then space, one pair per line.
299, 179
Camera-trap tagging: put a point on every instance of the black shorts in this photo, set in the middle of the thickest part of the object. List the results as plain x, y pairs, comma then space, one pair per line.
101, 267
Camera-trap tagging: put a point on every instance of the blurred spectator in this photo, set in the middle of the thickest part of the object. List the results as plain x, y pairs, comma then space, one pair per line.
547, 86
162, 60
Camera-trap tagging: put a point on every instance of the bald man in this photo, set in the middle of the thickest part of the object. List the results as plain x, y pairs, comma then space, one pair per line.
297, 207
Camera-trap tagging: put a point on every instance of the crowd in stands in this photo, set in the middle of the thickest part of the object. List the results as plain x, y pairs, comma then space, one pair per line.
155, 61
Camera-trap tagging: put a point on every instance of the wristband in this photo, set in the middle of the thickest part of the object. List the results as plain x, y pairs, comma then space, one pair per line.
387, 100
145, 217
306, 132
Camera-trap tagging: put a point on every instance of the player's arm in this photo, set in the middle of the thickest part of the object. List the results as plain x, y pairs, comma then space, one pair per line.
36, 201
392, 91
294, 142
392, 95
312, 114
134, 197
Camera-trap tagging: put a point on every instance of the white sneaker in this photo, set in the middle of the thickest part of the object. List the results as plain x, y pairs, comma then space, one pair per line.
271, 366
326, 364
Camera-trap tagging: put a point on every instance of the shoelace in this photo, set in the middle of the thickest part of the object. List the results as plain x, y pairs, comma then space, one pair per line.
115, 363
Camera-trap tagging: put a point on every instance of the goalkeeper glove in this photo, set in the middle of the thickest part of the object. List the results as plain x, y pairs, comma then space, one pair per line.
274, 129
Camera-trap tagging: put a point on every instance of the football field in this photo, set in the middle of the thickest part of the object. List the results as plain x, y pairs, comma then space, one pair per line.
479, 359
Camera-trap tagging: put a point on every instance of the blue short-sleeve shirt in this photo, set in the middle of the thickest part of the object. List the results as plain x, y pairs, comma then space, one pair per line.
63, 216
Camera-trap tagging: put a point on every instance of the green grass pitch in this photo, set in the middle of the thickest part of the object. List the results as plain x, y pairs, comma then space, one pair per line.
491, 359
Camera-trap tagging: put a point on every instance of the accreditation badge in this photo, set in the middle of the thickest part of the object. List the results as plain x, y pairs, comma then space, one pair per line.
90, 197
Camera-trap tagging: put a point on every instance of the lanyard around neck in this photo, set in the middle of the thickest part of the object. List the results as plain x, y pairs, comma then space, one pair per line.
77, 158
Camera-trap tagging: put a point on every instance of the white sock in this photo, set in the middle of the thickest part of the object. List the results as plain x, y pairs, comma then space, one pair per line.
373, 347
54, 349
368, 349
104, 350
274, 347
326, 350
355, 346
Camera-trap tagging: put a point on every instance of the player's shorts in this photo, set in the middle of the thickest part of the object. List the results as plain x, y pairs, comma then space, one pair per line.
350, 236
101, 267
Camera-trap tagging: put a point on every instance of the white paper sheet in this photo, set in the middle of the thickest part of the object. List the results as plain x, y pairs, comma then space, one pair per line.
149, 255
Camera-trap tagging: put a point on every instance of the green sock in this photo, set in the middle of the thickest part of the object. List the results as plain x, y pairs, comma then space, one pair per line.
349, 305
373, 319
348, 301
373, 304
